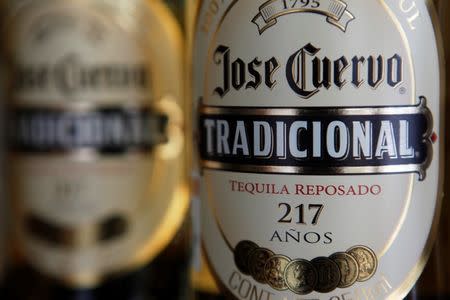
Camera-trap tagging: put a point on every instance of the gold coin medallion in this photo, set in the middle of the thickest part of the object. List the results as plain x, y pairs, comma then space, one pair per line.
329, 274
241, 255
367, 261
348, 267
300, 276
257, 261
274, 272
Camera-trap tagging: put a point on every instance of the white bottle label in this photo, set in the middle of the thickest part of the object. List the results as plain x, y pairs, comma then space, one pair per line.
97, 164
320, 144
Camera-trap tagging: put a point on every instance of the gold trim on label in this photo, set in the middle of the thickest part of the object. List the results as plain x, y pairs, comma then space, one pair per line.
295, 170
415, 273
210, 194
417, 106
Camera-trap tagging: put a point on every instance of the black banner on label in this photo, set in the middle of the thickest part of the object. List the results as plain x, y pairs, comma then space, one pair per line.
317, 141
108, 131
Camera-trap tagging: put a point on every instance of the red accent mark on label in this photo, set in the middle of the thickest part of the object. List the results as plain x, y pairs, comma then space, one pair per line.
434, 137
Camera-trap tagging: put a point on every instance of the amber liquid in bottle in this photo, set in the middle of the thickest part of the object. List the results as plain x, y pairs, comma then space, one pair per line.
100, 210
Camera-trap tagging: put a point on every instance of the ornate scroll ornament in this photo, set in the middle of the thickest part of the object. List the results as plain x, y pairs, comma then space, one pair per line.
335, 11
